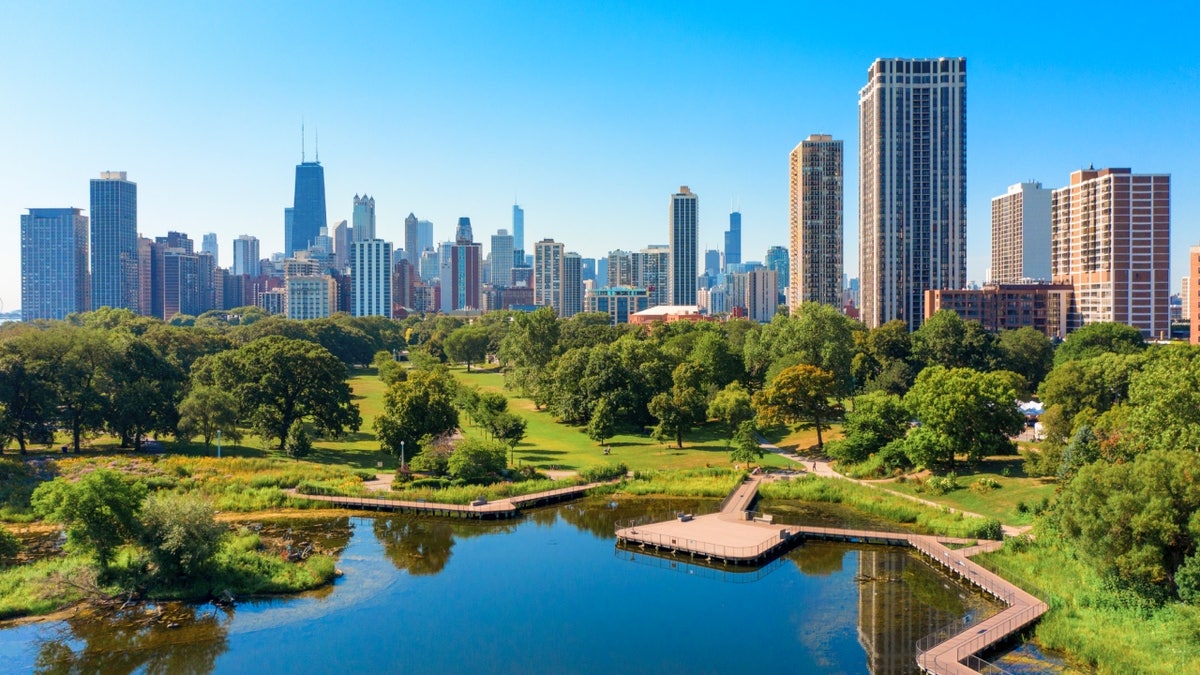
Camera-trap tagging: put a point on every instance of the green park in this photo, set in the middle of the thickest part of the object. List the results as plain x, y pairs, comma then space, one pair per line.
150, 445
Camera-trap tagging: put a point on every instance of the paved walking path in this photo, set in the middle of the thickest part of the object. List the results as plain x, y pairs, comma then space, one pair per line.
823, 468
501, 508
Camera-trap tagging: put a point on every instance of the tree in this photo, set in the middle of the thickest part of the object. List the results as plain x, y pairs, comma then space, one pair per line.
509, 429
475, 460
1136, 520
467, 344
603, 423
746, 448
422, 405
279, 380
528, 348
677, 411
961, 412
142, 388
732, 405
1099, 338
946, 340
389, 368
207, 410
26, 400
874, 420
1164, 401
884, 358
434, 455
100, 511
817, 335
1026, 351
801, 395
181, 534
76, 358
298, 444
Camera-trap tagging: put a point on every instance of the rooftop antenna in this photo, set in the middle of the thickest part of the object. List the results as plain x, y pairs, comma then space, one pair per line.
317, 142
301, 139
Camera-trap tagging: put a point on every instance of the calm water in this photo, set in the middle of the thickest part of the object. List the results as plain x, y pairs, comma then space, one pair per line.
549, 593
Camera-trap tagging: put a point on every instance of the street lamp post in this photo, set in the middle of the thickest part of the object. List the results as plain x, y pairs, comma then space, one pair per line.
401, 456
218, 444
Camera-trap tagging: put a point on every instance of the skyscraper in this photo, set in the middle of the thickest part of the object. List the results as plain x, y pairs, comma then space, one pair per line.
518, 228
548, 274
461, 266
778, 260
685, 223
620, 269
733, 239
425, 235
245, 255
412, 251
502, 258
308, 207
1021, 234
363, 218
114, 242
572, 285
54, 264
208, 244
462, 232
1110, 233
912, 185
815, 204
712, 262
371, 278
1193, 293
341, 246
652, 271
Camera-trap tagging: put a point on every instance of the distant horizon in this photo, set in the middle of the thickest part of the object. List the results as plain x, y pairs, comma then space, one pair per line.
589, 118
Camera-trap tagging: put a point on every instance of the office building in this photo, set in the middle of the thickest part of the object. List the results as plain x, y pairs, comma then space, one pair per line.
54, 264
685, 224
912, 185
815, 227
501, 256
245, 255
208, 244
733, 239
1110, 238
308, 207
114, 253
371, 278
341, 245
1021, 234
412, 250
461, 264
712, 262
362, 218
602, 271
425, 235
588, 270
619, 303
778, 260
518, 228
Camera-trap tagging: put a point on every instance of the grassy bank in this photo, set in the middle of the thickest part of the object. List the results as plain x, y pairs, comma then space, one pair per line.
880, 504
243, 567
1096, 623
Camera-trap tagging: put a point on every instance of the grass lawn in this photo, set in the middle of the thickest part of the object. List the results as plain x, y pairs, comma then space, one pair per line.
549, 444
803, 441
999, 503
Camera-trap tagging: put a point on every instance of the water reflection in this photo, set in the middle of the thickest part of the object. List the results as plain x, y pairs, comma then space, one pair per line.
422, 546
171, 638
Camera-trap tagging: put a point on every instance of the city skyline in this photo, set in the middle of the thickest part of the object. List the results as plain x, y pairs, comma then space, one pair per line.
1042, 105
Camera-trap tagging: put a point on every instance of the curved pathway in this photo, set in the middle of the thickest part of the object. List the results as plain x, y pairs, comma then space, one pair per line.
820, 467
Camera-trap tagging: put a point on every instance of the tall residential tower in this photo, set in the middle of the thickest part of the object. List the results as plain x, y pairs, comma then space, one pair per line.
685, 224
114, 245
1021, 234
912, 121
815, 203
54, 264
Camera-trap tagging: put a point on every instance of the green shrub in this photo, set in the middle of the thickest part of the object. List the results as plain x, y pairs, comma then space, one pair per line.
984, 485
599, 474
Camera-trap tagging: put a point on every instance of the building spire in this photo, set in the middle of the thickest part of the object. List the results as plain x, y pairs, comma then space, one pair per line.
301, 139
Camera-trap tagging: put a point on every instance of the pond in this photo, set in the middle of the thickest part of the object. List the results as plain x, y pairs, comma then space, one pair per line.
546, 593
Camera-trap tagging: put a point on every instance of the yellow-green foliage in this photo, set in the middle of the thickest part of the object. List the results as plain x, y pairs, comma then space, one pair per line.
876, 503
468, 493
1111, 629
683, 483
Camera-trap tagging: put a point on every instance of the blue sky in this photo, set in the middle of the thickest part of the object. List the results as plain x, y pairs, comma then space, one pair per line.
589, 114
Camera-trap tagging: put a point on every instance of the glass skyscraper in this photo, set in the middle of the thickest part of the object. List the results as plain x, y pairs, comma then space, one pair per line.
518, 228
308, 208
114, 242
733, 239
685, 224
54, 263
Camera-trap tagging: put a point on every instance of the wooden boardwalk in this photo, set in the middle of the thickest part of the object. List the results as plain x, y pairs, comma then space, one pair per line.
732, 536
508, 507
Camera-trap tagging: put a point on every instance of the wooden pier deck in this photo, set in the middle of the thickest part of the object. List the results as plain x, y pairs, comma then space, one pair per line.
732, 536
509, 507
